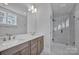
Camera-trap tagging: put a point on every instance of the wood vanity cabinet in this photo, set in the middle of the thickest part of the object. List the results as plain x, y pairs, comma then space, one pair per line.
17, 50
32, 47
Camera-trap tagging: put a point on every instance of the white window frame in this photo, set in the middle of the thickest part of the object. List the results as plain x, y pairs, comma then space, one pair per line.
15, 19
4, 17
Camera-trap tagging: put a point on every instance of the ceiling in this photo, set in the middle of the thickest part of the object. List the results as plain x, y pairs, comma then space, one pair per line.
21, 8
18, 6
60, 9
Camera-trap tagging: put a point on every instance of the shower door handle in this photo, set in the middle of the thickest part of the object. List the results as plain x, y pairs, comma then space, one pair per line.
53, 39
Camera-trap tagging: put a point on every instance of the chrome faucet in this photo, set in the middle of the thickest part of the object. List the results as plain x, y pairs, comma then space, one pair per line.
4, 39
9, 36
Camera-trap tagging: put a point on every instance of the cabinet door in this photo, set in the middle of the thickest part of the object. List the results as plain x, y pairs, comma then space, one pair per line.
25, 51
34, 47
34, 50
61, 30
40, 44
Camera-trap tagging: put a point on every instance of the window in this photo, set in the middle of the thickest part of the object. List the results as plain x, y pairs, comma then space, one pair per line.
11, 19
8, 18
2, 17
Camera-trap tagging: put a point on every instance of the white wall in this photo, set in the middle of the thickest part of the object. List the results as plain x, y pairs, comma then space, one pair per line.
31, 23
43, 24
77, 26
42, 21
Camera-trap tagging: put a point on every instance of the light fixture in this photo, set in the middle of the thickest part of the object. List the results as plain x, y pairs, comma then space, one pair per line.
35, 9
29, 9
32, 7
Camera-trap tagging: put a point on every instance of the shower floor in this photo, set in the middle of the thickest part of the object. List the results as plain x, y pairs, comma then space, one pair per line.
62, 49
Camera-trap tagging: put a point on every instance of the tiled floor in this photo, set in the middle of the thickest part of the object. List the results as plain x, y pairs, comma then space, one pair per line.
61, 49
45, 53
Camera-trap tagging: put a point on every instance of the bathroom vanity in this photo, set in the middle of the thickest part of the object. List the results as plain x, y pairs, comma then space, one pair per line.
29, 45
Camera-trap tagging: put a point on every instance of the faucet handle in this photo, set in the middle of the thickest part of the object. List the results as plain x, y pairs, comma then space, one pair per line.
13, 37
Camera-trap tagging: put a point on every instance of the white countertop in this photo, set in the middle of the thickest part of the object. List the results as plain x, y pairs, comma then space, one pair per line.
19, 39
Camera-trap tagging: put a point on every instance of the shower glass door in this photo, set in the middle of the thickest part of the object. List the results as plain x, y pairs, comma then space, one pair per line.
61, 29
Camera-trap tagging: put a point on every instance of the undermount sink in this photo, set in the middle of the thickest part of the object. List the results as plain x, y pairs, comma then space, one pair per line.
18, 38
9, 42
